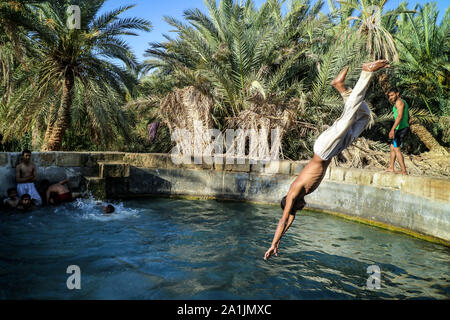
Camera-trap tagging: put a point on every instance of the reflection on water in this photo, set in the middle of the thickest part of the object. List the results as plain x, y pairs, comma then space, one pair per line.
179, 249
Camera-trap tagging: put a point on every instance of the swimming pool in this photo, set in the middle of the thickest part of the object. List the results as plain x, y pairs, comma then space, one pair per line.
179, 249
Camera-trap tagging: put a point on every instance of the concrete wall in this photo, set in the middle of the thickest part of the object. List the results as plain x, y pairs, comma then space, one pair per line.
419, 206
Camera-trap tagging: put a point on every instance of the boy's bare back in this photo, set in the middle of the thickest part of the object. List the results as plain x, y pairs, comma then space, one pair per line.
59, 187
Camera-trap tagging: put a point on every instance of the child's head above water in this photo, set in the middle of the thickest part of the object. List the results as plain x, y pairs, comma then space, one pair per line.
108, 209
25, 200
12, 193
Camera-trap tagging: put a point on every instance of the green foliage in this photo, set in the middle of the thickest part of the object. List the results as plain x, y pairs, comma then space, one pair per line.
88, 55
235, 49
423, 73
233, 52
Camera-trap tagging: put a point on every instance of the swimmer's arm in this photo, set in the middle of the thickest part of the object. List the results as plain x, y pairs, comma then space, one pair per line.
283, 223
289, 223
287, 219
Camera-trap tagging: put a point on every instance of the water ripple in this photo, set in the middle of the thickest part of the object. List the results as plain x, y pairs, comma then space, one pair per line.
179, 249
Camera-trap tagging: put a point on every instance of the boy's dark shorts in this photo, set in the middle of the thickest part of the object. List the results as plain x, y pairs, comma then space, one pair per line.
399, 137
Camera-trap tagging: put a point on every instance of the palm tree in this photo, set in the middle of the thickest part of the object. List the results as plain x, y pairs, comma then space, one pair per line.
76, 74
16, 19
251, 62
424, 48
370, 25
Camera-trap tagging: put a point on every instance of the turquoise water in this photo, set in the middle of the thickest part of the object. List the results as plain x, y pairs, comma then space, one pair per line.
179, 249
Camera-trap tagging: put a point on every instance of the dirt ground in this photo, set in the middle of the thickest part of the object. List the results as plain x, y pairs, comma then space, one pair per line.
362, 155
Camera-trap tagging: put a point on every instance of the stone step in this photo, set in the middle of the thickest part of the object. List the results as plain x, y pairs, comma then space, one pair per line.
113, 169
105, 188
95, 185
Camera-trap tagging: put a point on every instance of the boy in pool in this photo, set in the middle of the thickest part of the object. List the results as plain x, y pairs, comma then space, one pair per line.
108, 209
25, 203
58, 193
13, 200
26, 176
340, 135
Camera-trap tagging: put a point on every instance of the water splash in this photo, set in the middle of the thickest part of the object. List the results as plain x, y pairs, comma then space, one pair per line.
91, 209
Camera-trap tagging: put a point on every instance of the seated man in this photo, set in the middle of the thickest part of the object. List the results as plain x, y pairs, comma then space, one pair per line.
25, 203
13, 200
57, 193
340, 135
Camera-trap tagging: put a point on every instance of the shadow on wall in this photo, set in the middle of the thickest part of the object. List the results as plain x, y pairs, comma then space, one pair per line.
140, 182
207, 183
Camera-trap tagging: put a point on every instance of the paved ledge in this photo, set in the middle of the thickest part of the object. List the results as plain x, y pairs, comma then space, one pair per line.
417, 205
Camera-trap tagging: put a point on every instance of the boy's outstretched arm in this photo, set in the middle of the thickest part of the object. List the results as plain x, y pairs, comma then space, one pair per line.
289, 223
284, 223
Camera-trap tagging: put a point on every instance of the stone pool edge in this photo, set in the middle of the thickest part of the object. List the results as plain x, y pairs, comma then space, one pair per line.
415, 205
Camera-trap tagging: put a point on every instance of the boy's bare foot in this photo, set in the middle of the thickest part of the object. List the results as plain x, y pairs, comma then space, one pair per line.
338, 82
389, 170
402, 172
376, 65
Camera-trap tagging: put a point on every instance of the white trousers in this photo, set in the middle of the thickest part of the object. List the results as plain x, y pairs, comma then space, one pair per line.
353, 121
29, 188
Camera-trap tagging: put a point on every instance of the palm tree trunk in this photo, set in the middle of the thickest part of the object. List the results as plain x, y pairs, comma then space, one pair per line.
35, 134
58, 131
48, 131
425, 136
384, 83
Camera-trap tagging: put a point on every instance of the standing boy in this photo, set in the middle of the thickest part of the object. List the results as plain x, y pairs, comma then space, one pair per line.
399, 130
